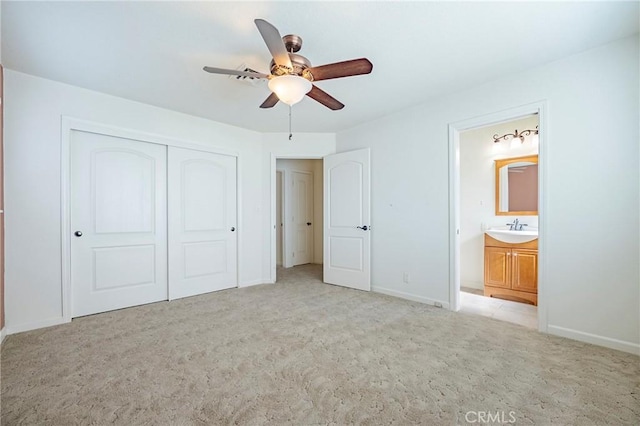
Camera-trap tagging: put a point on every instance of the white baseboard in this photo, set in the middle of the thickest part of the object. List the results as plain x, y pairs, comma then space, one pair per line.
594, 339
410, 296
251, 283
13, 329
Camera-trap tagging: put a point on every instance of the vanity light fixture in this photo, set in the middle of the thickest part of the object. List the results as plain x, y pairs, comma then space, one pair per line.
516, 135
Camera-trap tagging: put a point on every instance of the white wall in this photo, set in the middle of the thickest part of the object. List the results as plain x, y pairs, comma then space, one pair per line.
315, 167
478, 153
278, 145
33, 110
592, 199
592, 190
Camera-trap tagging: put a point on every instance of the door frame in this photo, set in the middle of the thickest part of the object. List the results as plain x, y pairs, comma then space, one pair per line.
69, 124
455, 128
272, 198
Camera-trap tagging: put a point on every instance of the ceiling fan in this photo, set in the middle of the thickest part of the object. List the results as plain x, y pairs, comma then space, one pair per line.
292, 75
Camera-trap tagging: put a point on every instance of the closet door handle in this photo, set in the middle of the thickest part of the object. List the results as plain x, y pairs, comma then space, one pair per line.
233, 228
78, 233
308, 223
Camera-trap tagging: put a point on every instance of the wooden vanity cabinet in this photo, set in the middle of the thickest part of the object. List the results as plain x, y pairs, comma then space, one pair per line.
511, 270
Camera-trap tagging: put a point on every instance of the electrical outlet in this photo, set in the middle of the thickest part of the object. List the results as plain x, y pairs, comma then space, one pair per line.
405, 277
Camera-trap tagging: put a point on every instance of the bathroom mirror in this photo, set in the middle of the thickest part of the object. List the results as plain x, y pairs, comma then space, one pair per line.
517, 186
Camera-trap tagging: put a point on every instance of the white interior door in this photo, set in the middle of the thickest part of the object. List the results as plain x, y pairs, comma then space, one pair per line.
118, 221
302, 217
202, 222
347, 213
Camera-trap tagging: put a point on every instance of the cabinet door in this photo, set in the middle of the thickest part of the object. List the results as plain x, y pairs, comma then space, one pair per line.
525, 270
497, 266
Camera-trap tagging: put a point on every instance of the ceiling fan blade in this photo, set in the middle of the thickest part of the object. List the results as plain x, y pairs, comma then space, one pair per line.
270, 101
274, 43
214, 70
340, 69
324, 98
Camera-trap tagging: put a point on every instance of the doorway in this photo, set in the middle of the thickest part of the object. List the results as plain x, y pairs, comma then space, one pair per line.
299, 221
491, 274
342, 214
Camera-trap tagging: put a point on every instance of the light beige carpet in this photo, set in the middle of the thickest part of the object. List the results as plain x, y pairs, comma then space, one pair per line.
302, 352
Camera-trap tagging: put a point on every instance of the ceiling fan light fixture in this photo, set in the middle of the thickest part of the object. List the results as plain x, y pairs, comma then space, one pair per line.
290, 89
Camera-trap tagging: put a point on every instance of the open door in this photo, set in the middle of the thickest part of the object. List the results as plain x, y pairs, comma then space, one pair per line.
347, 214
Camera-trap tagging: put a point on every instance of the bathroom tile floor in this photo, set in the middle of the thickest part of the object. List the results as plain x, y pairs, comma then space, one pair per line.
504, 310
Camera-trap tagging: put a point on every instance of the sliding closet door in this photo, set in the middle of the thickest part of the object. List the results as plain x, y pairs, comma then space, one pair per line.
118, 223
202, 222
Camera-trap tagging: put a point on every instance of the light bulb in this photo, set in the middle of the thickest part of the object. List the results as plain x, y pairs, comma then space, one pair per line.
290, 89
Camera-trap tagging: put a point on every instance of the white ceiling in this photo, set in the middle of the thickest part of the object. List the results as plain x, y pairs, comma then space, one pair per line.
153, 52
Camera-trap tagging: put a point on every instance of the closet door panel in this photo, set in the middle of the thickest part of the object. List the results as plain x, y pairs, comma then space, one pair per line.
202, 222
118, 223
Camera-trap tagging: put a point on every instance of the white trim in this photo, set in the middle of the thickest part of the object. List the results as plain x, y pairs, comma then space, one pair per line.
239, 225
455, 128
72, 123
594, 339
543, 216
287, 259
67, 125
409, 296
272, 194
252, 283
35, 325
454, 218
279, 227
65, 215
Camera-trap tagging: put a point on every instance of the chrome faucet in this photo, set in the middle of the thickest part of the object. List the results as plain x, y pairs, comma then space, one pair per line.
516, 225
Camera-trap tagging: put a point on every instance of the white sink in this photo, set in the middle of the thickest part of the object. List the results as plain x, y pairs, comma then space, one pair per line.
513, 237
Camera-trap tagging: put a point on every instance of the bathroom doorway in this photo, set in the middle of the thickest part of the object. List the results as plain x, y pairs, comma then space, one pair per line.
497, 217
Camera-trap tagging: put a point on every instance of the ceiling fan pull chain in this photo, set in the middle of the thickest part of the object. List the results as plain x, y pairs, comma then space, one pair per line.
290, 134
